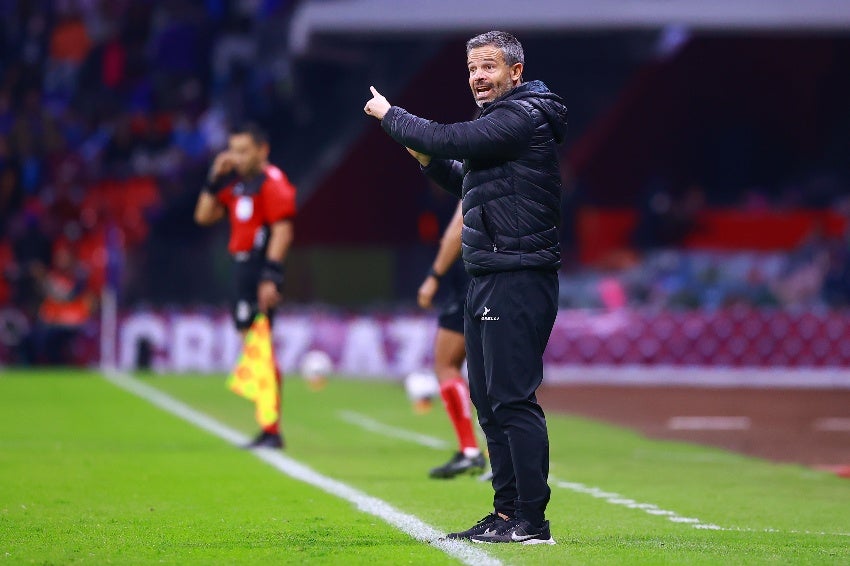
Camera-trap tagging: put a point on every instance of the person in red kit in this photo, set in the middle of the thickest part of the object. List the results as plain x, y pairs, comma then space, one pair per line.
259, 202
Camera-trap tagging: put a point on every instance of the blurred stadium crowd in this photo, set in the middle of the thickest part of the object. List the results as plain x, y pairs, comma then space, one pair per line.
111, 109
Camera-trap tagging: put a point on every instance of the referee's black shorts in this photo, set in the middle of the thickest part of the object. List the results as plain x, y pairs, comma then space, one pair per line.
246, 270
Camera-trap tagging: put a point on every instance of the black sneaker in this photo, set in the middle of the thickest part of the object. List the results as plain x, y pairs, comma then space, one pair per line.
490, 523
266, 440
517, 530
459, 464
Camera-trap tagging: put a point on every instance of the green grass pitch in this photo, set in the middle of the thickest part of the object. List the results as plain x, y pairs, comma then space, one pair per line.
90, 473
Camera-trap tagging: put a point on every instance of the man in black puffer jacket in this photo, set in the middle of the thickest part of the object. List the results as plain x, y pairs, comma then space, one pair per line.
504, 165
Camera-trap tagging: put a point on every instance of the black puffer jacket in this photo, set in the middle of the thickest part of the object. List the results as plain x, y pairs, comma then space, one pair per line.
509, 177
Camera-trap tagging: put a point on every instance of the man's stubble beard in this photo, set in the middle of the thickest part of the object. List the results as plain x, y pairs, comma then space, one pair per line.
500, 91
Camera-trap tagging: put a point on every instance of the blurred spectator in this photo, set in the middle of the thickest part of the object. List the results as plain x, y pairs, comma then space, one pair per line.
32, 45
30, 167
189, 138
836, 284
66, 307
30, 245
801, 281
69, 41
234, 50
11, 192
666, 218
119, 150
612, 293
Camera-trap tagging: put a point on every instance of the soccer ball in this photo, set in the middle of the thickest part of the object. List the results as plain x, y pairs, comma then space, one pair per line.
421, 387
316, 365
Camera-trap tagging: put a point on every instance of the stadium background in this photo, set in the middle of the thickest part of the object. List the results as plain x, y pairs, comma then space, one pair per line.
706, 180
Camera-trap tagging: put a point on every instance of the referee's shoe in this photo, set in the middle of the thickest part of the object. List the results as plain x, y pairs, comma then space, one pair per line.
266, 440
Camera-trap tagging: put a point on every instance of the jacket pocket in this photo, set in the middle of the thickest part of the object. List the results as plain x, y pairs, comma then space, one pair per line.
488, 229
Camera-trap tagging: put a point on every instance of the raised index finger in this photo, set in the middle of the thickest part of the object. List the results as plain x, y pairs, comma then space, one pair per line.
374, 92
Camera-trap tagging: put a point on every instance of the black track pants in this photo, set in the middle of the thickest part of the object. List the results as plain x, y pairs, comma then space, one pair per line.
508, 320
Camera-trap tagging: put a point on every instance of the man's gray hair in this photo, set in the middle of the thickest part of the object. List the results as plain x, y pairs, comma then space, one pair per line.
510, 46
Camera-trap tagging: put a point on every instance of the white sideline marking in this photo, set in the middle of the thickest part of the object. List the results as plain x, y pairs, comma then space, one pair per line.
652, 509
649, 508
708, 423
405, 522
832, 424
372, 425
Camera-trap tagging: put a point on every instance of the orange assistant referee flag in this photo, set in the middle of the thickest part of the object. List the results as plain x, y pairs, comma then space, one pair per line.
254, 375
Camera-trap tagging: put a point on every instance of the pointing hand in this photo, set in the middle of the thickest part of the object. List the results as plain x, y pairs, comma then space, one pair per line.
377, 106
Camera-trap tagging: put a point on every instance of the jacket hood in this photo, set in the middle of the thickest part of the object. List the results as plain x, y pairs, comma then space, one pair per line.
550, 104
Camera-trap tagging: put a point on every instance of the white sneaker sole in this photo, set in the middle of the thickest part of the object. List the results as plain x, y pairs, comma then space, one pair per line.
549, 541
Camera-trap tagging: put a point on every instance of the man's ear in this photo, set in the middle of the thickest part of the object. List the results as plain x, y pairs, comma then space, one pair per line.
516, 73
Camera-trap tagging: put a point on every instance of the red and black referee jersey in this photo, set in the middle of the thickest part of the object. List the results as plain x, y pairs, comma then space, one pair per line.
255, 204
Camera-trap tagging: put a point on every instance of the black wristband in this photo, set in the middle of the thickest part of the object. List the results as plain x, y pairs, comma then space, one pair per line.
434, 274
213, 187
273, 271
